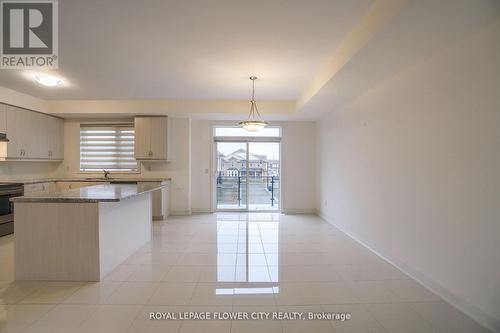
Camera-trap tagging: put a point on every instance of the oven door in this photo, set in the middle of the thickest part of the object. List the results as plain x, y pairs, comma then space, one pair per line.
7, 209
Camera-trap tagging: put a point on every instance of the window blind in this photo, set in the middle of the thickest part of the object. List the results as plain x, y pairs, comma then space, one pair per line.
107, 147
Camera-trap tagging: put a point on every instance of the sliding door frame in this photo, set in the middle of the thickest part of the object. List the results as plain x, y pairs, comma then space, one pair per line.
247, 141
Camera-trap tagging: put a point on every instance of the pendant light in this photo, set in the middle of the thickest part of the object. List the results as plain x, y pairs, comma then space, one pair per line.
254, 122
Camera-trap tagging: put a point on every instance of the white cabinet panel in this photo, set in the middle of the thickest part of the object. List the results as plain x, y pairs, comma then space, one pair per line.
151, 138
32, 135
16, 132
3, 120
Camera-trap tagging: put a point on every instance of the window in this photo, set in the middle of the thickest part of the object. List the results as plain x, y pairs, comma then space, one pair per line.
107, 147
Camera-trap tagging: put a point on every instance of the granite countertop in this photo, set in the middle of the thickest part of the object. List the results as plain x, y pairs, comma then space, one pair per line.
91, 194
47, 180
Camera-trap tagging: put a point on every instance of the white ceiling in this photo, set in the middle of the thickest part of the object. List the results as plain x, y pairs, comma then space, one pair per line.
158, 49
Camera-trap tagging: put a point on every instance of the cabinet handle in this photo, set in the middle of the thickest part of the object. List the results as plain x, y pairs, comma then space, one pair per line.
150, 153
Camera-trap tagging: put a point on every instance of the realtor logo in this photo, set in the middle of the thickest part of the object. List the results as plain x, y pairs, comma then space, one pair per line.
29, 34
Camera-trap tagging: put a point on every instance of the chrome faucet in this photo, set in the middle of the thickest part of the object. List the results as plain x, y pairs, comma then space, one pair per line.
106, 174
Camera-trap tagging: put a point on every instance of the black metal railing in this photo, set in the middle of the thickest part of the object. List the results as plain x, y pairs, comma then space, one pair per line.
232, 190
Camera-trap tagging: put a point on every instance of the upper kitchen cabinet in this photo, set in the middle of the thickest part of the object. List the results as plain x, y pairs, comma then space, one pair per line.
3, 124
32, 135
152, 138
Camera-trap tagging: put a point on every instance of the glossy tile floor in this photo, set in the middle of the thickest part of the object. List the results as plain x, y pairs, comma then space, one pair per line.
232, 262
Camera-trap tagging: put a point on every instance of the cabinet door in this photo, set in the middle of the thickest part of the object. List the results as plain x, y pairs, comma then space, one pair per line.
16, 131
55, 137
142, 140
159, 128
41, 135
3, 120
59, 139
33, 137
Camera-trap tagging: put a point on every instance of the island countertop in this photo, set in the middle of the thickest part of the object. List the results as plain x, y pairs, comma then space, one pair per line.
91, 194
83, 180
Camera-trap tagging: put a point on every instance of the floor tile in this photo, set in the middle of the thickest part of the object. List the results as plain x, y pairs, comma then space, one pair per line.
315, 293
143, 322
15, 291
133, 293
361, 320
398, 317
411, 291
190, 274
445, 318
262, 262
149, 273
110, 319
306, 324
52, 293
173, 294
207, 326
121, 273
207, 294
93, 293
18, 317
62, 318
254, 325
374, 292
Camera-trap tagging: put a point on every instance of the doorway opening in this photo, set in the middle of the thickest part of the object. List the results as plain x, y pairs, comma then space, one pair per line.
248, 169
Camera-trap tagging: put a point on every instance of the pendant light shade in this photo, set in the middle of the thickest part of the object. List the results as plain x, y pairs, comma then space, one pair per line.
254, 122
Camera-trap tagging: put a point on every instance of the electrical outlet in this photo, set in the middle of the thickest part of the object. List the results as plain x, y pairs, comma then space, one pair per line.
325, 203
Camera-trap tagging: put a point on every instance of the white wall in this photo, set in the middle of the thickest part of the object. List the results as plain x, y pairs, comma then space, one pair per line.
411, 168
298, 170
298, 153
201, 159
27, 170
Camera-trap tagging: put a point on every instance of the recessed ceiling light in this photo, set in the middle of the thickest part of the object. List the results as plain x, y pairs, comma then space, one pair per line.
47, 80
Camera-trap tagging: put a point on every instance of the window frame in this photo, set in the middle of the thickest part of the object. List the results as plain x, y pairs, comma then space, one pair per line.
100, 171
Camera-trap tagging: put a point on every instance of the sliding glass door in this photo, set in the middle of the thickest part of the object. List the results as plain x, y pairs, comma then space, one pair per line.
263, 175
248, 175
231, 175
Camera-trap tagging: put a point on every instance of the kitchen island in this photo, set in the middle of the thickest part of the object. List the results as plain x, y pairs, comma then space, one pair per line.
80, 234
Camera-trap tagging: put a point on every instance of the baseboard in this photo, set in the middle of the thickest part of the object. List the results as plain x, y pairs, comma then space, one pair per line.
201, 210
458, 302
180, 213
298, 211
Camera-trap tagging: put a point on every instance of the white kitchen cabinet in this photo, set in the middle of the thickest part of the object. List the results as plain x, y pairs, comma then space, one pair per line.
57, 139
53, 147
152, 138
3, 121
32, 135
17, 132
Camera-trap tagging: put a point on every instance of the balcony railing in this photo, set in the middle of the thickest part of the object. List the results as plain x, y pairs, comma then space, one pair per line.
264, 191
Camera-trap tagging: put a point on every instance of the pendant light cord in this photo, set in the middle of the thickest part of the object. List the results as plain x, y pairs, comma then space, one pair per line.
253, 107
